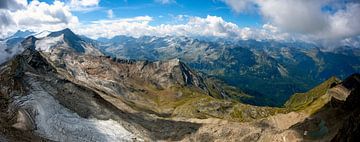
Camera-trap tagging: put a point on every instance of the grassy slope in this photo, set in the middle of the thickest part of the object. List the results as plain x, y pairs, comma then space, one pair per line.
190, 102
312, 100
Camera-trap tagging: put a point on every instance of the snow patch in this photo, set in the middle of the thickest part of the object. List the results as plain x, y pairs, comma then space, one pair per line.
48, 43
282, 70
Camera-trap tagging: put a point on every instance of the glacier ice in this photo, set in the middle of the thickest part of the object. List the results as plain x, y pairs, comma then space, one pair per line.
55, 122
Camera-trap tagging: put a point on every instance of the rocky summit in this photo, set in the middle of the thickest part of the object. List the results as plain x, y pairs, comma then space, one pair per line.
63, 87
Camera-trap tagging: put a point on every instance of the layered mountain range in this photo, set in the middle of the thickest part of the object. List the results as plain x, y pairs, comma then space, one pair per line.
256, 67
64, 87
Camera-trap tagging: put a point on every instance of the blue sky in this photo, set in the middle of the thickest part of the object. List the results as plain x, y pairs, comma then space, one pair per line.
165, 13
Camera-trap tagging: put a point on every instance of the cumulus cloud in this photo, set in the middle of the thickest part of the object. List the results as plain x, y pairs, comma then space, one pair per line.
135, 26
84, 5
42, 13
210, 26
345, 22
295, 16
37, 16
308, 17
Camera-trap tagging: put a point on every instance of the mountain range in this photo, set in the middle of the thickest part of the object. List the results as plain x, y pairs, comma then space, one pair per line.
256, 67
64, 87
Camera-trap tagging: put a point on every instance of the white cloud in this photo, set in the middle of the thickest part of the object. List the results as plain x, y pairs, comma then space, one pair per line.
211, 26
145, 19
42, 13
295, 16
7, 53
135, 26
270, 27
84, 5
165, 1
307, 17
110, 14
37, 16
290, 16
345, 22
5, 22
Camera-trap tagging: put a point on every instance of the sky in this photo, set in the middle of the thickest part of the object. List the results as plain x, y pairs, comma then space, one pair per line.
327, 22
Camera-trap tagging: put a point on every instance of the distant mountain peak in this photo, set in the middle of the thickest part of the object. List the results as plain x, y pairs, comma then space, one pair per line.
29, 43
71, 38
23, 31
21, 34
66, 32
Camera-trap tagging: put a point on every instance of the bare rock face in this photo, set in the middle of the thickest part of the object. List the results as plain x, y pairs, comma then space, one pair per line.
24, 121
350, 104
343, 91
80, 59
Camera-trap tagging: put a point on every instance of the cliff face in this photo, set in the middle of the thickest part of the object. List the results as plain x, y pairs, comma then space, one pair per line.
347, 97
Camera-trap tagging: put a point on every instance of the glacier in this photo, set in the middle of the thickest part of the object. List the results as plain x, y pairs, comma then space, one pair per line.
55, 122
